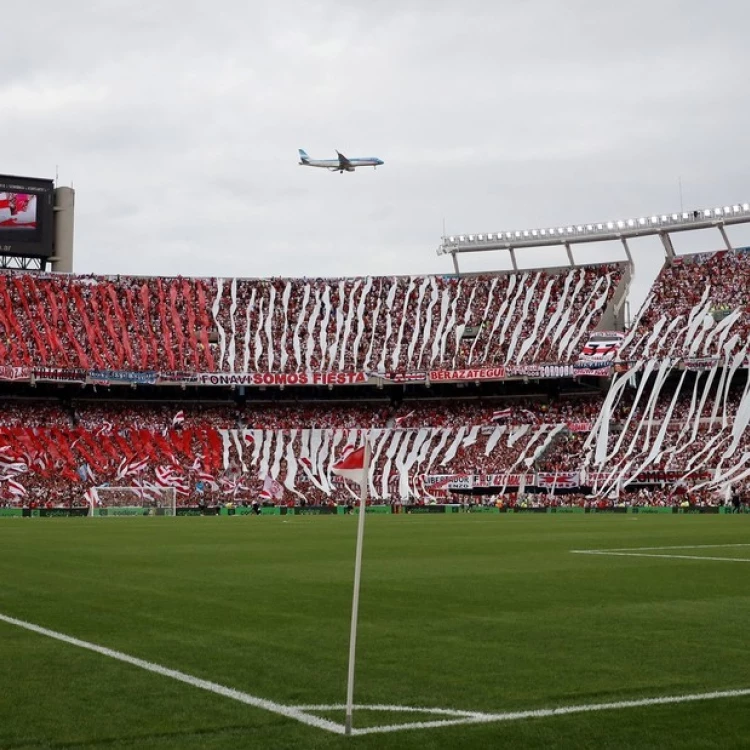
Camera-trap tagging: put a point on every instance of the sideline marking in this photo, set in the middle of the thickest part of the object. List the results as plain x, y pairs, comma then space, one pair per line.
212, 687
301, 713
645, 552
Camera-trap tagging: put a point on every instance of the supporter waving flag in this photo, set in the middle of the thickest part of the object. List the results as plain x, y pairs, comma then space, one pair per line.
178, 419
272, 489
500, 414
400, 420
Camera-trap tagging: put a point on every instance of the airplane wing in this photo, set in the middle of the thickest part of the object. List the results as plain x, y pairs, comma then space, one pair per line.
343, 161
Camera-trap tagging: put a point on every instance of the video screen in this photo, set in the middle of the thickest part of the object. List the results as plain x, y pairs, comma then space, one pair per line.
18, 211
26, 216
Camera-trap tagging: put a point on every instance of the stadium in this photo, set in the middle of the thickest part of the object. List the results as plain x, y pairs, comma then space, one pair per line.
516, 421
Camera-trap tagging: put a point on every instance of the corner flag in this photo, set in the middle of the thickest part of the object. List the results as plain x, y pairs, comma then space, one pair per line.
351, 465
355, 465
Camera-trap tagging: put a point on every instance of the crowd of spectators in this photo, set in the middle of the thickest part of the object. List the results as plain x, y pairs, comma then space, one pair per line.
66, 447
378, 324
707, 287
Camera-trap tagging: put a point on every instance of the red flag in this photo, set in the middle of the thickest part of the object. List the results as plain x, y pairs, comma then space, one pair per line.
352, 465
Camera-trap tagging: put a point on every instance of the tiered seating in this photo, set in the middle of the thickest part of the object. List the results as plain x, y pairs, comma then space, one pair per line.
233, 448
96, 443
292, 325
697, 307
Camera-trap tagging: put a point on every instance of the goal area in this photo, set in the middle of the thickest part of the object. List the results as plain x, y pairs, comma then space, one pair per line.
132, 501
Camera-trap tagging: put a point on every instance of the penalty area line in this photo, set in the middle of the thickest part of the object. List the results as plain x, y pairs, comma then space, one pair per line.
197, 682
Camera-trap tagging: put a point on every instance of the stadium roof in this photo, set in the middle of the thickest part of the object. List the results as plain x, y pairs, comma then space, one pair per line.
662, 225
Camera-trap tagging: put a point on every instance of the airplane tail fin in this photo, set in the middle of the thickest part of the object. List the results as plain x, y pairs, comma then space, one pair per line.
304, 158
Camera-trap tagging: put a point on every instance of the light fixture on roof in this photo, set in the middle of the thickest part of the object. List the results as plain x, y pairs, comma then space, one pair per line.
746, 206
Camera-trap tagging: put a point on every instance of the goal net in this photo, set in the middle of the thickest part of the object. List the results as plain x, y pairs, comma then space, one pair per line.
132, 501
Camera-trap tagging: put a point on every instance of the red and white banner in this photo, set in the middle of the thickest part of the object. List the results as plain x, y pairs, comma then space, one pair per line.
479, 373
449, 481
602, 345
15, 373
594, 368
540, 372
502, 480
59, 374
563, 480
282, 378
700, 363
579, 426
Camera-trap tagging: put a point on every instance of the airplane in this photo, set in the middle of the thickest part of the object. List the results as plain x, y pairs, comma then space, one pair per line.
342, 164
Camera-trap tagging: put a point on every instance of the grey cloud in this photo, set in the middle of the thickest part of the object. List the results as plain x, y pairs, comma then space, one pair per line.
179, 124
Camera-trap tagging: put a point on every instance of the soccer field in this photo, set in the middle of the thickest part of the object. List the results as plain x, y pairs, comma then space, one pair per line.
483, 617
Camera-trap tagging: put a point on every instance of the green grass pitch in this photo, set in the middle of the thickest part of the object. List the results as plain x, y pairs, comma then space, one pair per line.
488, 613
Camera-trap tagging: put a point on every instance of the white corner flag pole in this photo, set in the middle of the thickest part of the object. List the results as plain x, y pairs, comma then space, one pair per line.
355, 599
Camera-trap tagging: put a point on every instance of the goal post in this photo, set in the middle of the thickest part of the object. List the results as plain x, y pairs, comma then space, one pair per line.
132, 501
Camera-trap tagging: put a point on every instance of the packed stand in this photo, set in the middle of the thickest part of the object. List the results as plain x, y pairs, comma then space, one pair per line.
369, 324
697, 307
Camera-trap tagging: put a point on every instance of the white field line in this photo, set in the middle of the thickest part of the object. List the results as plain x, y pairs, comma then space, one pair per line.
645, 552
300, 713
547, 712
663, 557
651, 549
212, 687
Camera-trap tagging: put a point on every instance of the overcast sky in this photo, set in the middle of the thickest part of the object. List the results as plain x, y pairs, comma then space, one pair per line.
178, 124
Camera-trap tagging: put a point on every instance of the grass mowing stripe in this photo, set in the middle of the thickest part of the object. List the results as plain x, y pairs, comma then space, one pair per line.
250, 700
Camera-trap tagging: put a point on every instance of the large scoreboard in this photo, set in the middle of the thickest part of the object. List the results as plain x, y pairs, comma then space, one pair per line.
26, 216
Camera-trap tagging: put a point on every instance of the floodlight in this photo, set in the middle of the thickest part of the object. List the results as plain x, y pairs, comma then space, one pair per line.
579, 229
462, 238
685, 216
451, 239
610, 225
642, 222
675, 217
746, 206
707, 213
525, 232
543, 232
518, 234
534, 233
